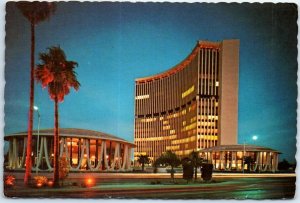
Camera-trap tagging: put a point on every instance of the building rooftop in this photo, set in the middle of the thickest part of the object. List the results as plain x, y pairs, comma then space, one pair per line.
72, 132
181, 65
239, 147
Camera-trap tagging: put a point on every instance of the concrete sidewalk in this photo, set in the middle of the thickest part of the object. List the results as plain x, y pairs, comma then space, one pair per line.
19, 175
220, 188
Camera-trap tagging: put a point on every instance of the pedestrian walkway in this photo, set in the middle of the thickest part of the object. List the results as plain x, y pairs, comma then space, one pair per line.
83, 175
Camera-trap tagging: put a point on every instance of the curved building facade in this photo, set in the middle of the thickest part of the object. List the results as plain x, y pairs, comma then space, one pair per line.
191, 106
84, 150
242, 157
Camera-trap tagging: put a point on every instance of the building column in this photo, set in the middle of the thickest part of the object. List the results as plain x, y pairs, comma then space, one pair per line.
71, 152
221, 160
46, 154
96, 153
110, 154
78, 149
116, 160
24, 152
106, 162
125, 157
88, 155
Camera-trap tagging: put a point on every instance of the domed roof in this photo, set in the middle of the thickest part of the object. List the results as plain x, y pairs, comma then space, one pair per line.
239, 147
72, 132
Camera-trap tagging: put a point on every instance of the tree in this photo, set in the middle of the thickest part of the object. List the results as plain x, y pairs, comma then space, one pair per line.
169, 159
35, 12
58, 74
284, 165
143, 159
196, 161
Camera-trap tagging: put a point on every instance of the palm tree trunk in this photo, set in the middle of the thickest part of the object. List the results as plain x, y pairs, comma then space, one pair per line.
28, 161
195, 173
56, 147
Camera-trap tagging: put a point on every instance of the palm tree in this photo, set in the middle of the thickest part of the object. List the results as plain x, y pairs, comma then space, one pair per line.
143, 159
35, 12
169, 159
58, 74
196, 161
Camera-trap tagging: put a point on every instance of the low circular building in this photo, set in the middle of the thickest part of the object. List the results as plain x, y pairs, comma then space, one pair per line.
84, 149
241, 158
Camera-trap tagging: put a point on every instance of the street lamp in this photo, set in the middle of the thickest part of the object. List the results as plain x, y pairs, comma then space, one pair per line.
38, 136
244, 157
254, 137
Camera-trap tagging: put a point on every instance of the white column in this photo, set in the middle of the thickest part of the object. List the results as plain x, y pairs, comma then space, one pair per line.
105, 154
125, 157
46, 154
88, 160
39, 158
100, 158
15, 153
221, 160
116, 160
24, 152
129, 158
81, 156
10, 154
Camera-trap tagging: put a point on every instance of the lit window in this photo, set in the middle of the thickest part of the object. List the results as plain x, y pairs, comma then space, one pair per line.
187, 92
146, 96
217, 83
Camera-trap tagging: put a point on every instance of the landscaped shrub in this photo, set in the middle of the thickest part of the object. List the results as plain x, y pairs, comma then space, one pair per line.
40, 181
155, 182
188, 172
206, 171
63, 168
9, 181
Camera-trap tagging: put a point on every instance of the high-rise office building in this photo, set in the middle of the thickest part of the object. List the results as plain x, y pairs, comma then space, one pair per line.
191, 106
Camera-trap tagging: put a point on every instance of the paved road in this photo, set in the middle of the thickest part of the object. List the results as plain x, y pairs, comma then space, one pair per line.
223, 188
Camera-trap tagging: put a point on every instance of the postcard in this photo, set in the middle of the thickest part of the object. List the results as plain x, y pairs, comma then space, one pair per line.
150, 100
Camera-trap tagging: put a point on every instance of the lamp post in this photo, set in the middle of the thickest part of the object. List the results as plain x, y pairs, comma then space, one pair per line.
38, 136
244, 152
254, 137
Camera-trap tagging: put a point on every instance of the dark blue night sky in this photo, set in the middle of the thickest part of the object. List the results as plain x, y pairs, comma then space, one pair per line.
114, 43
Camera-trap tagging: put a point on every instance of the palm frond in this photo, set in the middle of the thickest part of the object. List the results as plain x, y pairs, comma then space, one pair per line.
57, 73
36, 11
